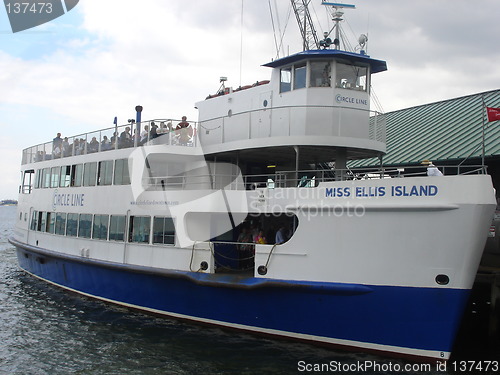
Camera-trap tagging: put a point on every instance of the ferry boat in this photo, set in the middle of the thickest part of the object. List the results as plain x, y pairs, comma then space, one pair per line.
251, 219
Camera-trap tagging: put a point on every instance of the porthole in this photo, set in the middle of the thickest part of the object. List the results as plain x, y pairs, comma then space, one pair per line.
265, 103
442, 279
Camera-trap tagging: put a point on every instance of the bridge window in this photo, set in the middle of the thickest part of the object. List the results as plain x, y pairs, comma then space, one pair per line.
299, 76
321, 74
116, 228
351, 77
286, 79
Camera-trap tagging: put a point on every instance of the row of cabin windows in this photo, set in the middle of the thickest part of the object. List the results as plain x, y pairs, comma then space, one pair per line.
104, 172
141, 229
347, 76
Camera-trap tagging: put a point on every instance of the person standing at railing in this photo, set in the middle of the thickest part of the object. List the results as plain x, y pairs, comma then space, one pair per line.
432, 170
57, 145
125, 138
144, 134
184, 131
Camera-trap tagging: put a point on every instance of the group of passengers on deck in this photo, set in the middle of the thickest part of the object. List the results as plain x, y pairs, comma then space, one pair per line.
182, 134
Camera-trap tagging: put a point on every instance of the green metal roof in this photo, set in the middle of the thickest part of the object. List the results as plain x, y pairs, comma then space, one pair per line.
441, 131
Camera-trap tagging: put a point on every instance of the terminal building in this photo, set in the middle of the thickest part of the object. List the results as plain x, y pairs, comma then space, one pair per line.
450, 134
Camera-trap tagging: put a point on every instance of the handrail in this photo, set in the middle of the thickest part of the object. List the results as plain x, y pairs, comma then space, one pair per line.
302, 178
111, 139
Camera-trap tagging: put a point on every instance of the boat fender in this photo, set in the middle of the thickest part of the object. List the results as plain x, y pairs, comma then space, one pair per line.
262, 270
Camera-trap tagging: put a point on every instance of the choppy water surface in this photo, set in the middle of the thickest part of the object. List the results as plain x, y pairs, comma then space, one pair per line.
44, 330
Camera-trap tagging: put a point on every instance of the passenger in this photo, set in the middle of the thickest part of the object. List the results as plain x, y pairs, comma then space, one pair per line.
82, 146
57, 141
184, 131
260, 239
76, 146
105, 144
281, 235
93, 145
125, 138
57, 146
66, 147
432, 170
246, 250
114, 138
152, 133
144, 134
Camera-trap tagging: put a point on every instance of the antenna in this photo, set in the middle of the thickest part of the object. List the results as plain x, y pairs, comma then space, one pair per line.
337, 14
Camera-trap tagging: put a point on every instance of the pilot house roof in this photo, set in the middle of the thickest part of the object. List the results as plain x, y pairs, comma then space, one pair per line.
376, 65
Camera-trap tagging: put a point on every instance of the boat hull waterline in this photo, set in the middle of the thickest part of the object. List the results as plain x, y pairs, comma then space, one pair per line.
386, 319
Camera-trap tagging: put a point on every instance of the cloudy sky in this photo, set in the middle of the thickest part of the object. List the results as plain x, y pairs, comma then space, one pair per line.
100, 60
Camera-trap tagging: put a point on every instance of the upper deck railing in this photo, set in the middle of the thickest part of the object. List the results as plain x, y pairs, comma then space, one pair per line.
114, 138
211, 131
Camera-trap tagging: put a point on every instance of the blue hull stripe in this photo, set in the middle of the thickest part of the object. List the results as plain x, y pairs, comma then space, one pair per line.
407, 317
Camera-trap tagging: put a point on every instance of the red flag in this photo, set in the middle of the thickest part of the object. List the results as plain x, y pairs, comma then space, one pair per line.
493, 114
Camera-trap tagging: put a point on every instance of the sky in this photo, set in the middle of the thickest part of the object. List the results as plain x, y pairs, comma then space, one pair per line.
76, 73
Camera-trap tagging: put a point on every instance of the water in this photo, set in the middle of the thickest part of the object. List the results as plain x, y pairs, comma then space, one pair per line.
44, 330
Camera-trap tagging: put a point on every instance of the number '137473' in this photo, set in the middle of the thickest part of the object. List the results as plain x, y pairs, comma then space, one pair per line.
23, 8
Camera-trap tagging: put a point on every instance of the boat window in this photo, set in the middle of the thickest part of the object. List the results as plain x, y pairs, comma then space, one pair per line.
100, 228
140, 227
90, 174
46, 177
60, 223
351, 77
105, 175
72, 225
54, 182
321, 74
164, 230
51, 222
299, 76
76, 175
117, 228
286, 79
65, 176
84, 225
34, 220
38, 179
28, 181
121, 172
42, 221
